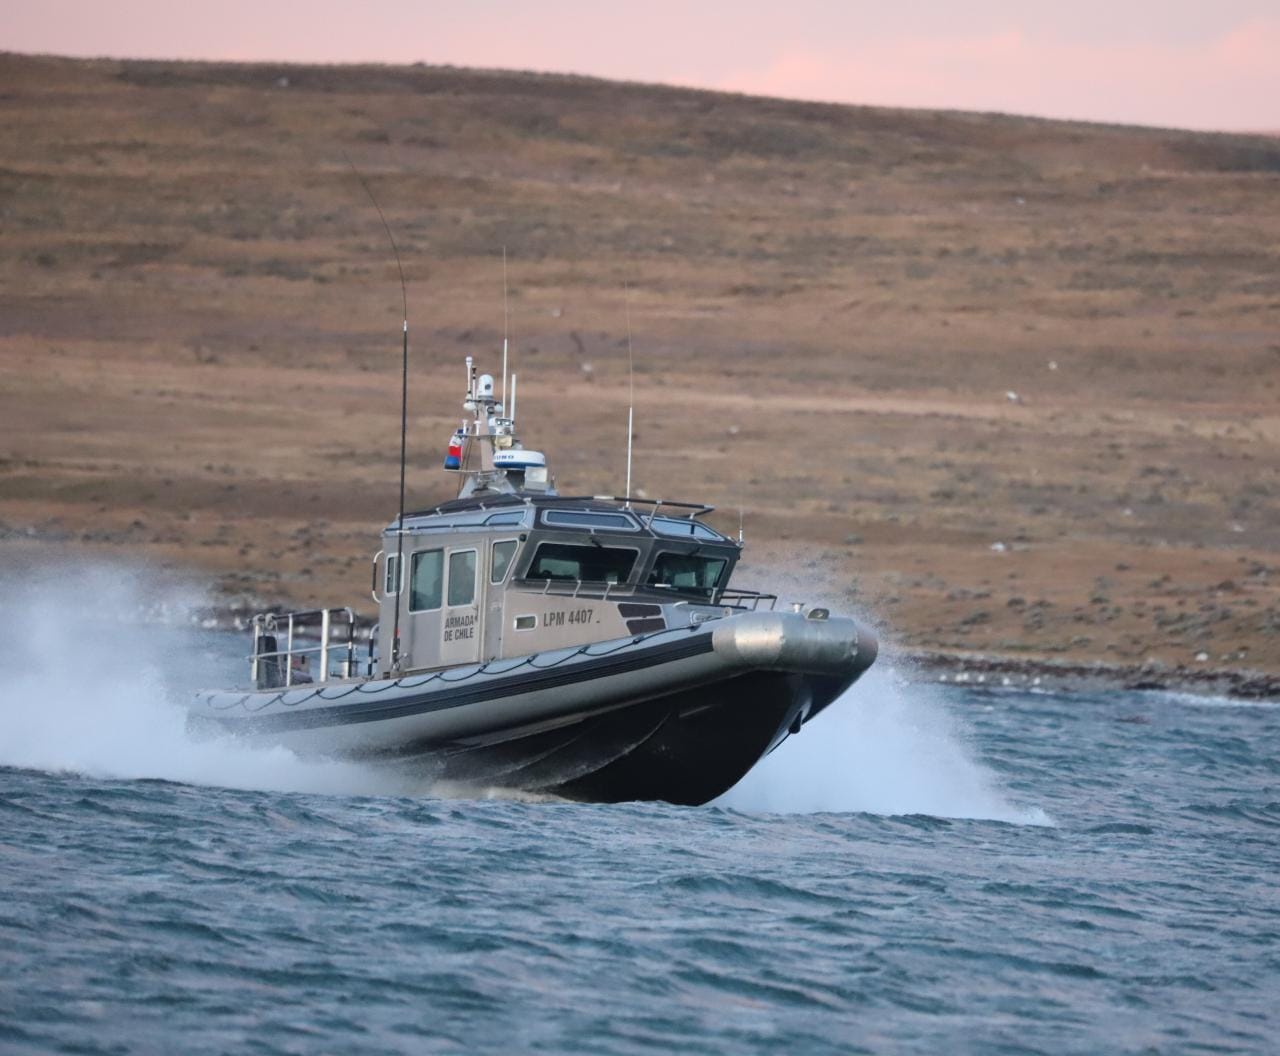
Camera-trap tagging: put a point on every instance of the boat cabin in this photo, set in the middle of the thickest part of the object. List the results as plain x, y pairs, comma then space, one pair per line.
510, 568
495, 576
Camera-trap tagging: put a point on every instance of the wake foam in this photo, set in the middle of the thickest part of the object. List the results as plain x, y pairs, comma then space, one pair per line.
96, 685
885, 747
91, 689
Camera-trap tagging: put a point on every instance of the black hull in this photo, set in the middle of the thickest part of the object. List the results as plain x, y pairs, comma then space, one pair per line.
677, 715
686, 748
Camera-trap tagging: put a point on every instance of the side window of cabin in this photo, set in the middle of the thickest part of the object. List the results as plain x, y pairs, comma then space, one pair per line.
687, 572
391, 575
503, 552
691, 529
425, 580
618, 522
462, 577
594, 564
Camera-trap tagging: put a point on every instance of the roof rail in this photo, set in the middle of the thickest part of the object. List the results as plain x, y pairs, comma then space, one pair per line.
694, 509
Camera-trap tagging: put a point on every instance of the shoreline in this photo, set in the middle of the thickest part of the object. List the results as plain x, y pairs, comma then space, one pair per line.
1023, 411
1018, 672
961, 667
978, 668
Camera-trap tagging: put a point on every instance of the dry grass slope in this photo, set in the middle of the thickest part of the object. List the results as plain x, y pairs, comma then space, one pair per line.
199, 336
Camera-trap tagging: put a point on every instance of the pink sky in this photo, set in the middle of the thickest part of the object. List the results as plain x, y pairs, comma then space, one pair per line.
1211, 64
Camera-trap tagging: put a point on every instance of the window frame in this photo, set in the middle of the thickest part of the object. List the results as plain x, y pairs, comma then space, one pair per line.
702, 592
711, 535
413, 563
391, 561
475, 575
511, 561
527, 575
633, 524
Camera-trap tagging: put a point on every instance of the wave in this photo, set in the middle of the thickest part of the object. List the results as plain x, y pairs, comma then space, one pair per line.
885, 747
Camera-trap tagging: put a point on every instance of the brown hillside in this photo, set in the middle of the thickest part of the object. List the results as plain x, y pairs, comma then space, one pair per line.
199, 336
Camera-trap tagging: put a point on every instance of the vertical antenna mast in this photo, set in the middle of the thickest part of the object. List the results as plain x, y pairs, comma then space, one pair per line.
404, 412
631, 382
504, 332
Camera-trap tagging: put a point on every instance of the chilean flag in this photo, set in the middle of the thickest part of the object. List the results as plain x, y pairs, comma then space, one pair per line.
453, 457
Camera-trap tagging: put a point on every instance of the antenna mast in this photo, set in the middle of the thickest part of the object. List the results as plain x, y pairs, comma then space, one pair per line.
404, 412
504, 333
631, 381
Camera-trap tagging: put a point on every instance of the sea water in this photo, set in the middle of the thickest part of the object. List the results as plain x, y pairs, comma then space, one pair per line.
923, 869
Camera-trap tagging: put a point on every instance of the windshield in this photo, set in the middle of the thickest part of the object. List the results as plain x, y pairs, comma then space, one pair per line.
592, 564
688, 573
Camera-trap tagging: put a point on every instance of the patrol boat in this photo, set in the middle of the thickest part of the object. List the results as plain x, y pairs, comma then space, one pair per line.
587, 647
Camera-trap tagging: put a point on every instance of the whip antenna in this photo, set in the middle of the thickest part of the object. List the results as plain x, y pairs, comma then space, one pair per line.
504, 334
404, 410
631, 381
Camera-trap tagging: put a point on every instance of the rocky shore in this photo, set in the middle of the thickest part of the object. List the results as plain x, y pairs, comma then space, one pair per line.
1048, 674
975, 668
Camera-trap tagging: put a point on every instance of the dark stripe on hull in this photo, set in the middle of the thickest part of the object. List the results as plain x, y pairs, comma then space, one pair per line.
687, 747
630, 609
528, 680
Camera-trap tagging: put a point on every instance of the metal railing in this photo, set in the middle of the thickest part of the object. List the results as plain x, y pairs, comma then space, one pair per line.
327, 634
678, 509
371, 654
742, 599
572, 588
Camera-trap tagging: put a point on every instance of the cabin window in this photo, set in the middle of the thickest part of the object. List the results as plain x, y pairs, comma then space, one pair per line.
462, 577
503, 552
425, 575
612, 522
592, 564
516, 517
687, 573
684, 529
526, 623
391, 583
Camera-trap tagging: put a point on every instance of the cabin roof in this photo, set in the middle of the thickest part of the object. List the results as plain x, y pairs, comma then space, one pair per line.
484, 502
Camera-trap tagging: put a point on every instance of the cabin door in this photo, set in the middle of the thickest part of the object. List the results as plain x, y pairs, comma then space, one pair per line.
501, 557
460, 631
422, 615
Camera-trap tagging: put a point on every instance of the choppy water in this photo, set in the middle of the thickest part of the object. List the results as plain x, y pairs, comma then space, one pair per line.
952, 870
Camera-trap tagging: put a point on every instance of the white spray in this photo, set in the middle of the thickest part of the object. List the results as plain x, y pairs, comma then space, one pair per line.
93, 689
885, 747
888, 746
90, 688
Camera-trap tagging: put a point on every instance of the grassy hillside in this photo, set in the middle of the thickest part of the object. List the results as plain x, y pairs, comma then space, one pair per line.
199, 337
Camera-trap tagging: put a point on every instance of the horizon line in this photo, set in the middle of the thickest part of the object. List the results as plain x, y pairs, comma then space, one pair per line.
666, 85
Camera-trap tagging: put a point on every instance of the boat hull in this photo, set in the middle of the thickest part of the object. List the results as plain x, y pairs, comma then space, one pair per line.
677, 715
